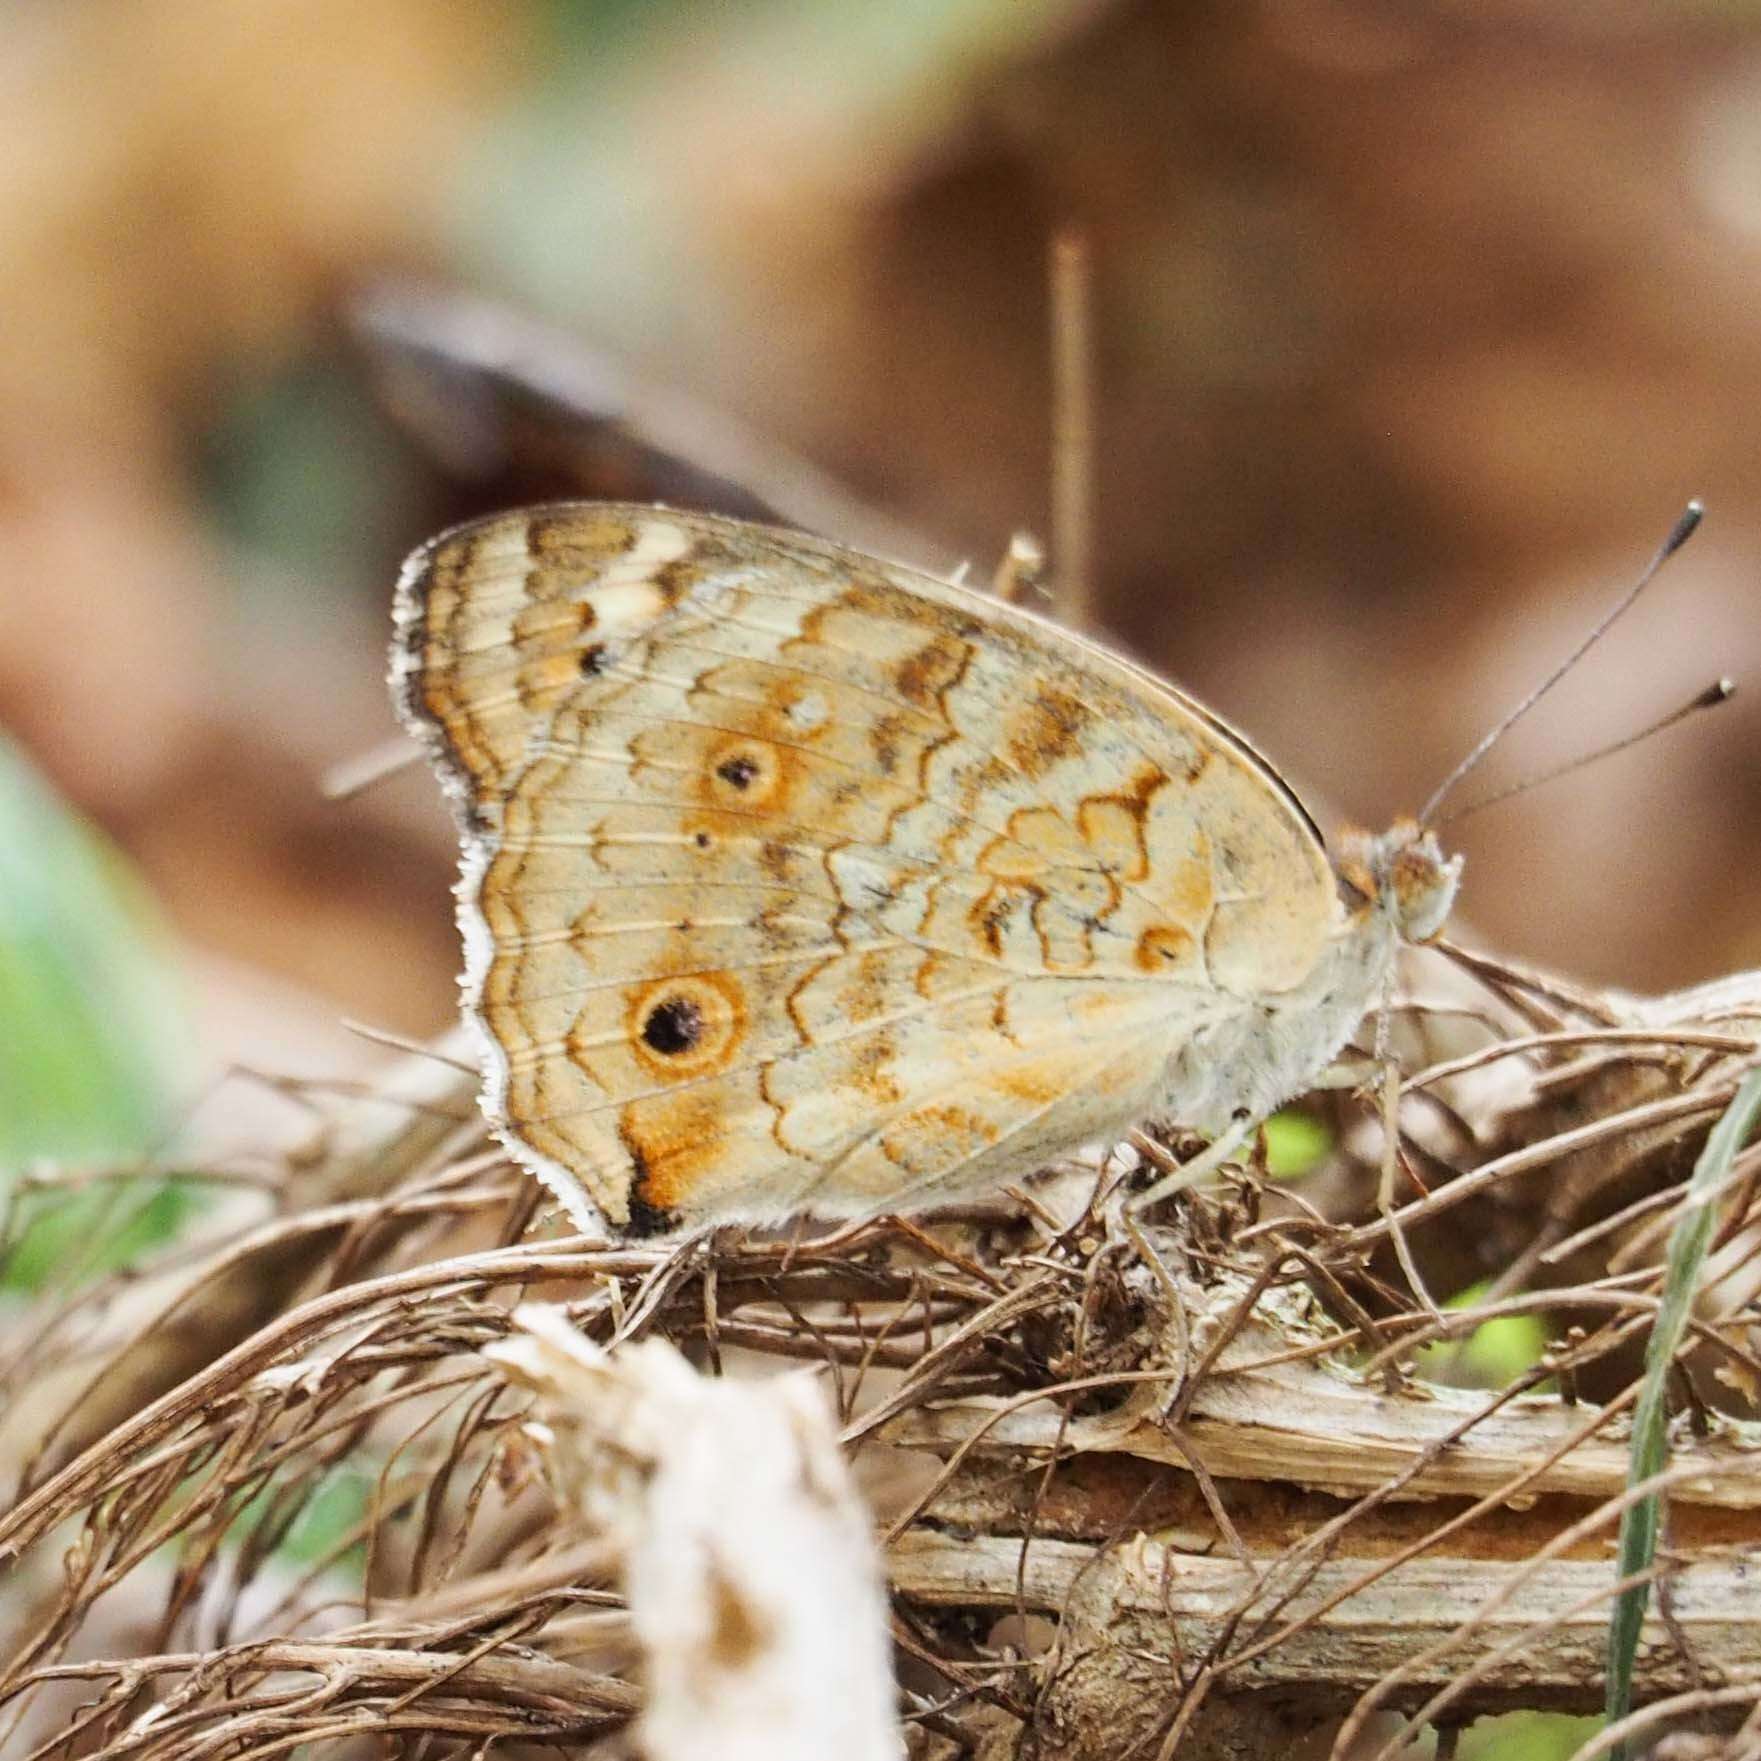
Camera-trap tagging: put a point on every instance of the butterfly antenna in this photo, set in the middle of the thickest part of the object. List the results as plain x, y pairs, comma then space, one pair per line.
1719, 691
1679, 534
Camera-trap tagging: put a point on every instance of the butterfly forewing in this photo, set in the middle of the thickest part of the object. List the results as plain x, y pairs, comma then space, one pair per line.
797, 880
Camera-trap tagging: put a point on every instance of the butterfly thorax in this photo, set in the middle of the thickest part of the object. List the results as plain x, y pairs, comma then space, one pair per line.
1396, 887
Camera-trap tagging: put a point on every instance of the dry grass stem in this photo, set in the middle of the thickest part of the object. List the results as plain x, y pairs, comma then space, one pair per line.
279, 1492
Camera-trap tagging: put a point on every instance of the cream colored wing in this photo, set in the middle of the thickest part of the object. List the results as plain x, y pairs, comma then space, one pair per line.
795, 880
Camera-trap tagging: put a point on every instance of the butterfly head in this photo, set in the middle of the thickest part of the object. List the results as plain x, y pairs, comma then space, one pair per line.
1403, 874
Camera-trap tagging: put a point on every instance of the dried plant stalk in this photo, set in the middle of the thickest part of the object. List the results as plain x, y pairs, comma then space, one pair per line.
1131, 1479
753, 1582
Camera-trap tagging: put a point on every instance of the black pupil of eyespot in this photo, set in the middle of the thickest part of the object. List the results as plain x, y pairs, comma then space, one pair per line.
673, 1026
738, 771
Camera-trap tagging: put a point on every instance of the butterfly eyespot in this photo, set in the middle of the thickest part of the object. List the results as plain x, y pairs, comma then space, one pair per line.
673, 1026
702, 840
593, 660
745, 771
686, 1027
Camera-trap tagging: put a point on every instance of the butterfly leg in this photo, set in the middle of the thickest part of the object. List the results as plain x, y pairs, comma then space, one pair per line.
1205, 1163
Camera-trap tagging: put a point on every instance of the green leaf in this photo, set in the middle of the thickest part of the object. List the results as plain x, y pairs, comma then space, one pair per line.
92, 1030
64, 1235
1525, 1736
1493, 1355
1295, 1143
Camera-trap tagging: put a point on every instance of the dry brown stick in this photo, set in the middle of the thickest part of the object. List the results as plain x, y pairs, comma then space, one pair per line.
1151, 1599
1523, 1044
943, 1356
1682, 1709
1488, 1610
147, 1428
1326, 1540
1674, 1110
1307, 1424
372, 1145
528, 1679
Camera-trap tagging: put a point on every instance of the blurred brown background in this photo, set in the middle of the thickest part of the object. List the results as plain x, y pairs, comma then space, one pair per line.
1417, 323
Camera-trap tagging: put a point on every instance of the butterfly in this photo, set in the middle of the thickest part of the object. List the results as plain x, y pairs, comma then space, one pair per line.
795, 881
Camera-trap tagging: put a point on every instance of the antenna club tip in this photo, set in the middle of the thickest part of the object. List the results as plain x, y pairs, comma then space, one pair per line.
1685, 527
1680, 533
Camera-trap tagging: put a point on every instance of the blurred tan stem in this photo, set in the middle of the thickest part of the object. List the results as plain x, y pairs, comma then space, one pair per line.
1073, 399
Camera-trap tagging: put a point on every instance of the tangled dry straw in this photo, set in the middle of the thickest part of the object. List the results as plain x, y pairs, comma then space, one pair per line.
1187, 1487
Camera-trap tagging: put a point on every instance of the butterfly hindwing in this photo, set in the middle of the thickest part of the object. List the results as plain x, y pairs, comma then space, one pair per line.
797, 880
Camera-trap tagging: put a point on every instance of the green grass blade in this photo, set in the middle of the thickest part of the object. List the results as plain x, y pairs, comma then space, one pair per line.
1688, 1242
93, 1032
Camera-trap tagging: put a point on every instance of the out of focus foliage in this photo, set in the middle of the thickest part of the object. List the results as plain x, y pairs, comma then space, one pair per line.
95, 1033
